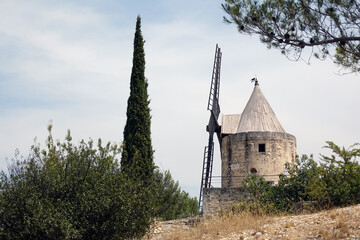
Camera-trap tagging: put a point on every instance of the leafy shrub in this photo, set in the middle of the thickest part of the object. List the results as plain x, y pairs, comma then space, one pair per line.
338, 180
335, 181
170, 201
70, 192
79, 192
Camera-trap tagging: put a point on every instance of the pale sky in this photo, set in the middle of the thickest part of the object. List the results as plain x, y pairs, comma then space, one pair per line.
70, 62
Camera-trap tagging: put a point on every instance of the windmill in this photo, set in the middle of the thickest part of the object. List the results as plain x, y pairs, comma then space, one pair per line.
213, 126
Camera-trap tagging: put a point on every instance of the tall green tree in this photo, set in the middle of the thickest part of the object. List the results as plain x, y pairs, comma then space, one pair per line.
329, 27
137, 156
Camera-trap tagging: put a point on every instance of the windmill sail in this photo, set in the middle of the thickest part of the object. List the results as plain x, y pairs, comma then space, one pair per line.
213, 126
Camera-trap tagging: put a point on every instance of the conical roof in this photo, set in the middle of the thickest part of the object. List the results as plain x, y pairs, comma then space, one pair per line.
258, 115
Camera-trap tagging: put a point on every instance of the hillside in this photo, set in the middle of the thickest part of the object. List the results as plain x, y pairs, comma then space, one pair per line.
340, 223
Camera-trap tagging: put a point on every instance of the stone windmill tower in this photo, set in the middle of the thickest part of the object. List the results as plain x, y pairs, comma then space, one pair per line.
253, 142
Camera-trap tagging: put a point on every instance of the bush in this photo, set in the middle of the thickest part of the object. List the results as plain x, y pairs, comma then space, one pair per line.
79, 192
70, 192
338, 180
333, 182
170, 201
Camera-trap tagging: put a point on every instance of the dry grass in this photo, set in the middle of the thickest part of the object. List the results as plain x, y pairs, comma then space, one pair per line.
340, 231
338, 223
215, 227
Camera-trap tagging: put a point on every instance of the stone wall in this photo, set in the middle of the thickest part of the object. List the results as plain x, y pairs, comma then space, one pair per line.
240, 156
216, 199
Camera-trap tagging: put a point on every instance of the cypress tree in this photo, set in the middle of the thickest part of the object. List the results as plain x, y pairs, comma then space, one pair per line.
137, 156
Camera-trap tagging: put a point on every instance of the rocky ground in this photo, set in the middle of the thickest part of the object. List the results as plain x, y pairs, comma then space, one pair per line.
341, 223
162, 230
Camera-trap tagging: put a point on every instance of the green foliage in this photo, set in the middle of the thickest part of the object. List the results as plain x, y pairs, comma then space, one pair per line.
255, 201
79, 192
255, 207
170, 201
338, 179
293, 188
330, 28
137, 155
333, 182
255, 186
163, 199
70, 192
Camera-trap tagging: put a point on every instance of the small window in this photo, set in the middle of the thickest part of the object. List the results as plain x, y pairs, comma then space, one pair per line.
253, 171
262, 147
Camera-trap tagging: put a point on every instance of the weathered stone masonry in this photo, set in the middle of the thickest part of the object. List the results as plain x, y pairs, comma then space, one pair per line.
240, 156
220, 198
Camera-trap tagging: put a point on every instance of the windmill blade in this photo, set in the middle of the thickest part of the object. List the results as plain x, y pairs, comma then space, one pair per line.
206, 170
213, 102
213, 125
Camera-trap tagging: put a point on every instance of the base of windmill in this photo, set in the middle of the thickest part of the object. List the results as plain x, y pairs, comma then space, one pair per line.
217, 199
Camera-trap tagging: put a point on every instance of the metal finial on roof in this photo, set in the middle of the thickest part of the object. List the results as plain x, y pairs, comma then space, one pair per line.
256, 81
